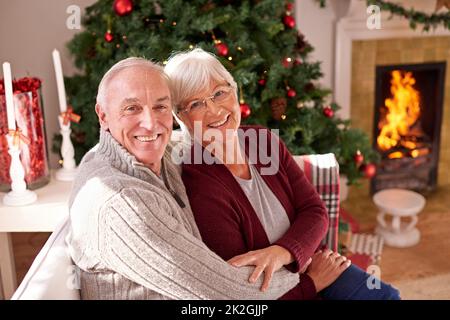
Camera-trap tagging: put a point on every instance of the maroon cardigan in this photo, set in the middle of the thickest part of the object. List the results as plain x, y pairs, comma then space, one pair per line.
229, 225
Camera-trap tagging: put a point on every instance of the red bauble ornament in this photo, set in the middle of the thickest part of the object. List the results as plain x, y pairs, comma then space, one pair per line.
291, 93
123, 7
289, 21
222, 49
287, 62
289, 6
358, 158
328, 112
369, 170
109, 36
262, 82
245, 110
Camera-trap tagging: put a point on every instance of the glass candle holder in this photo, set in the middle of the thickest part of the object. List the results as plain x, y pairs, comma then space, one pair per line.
29, 115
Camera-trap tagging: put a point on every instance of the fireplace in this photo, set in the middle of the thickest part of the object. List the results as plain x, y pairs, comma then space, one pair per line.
407, 125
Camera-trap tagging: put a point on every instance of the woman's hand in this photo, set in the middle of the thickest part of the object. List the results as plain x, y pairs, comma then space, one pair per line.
269, 260
326, 267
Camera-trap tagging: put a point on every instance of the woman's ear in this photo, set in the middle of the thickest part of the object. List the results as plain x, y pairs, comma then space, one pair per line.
101, 116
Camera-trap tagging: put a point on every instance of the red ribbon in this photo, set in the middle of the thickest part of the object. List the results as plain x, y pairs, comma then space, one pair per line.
69, 115
18, 137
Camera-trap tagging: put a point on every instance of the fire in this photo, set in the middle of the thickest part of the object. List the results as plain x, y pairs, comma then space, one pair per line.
403, 110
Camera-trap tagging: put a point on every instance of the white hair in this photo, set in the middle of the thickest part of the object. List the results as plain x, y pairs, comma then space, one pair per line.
192, 71
122, 65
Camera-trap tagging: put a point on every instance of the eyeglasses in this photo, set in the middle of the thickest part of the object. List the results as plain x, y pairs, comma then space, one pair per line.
220, 94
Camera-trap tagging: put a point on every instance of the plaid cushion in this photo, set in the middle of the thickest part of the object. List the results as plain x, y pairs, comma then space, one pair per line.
322, 170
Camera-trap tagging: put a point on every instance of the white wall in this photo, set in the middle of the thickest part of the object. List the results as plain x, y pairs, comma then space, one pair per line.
318, 26
29, 31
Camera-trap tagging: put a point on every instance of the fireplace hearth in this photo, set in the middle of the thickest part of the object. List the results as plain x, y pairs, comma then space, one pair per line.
407, 125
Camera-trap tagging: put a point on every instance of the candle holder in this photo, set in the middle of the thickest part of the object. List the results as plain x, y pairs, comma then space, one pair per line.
19, 194
69, 169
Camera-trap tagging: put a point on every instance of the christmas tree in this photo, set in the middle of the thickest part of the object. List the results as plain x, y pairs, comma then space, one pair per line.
256, 40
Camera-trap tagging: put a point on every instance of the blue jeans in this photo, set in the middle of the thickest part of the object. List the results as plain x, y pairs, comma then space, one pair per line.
352, 285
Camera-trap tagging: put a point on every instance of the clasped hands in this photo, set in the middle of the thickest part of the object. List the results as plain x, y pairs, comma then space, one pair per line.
324, 267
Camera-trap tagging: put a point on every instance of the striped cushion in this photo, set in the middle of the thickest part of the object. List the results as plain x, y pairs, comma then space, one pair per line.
322, 170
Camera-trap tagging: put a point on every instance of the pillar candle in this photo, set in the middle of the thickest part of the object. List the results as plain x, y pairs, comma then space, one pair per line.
59, 81
9, 96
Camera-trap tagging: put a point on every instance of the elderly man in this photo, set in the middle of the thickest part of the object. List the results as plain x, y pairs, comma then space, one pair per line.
133, 234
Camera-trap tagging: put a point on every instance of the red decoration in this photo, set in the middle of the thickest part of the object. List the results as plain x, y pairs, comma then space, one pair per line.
328, 112
289, 6
245, 110
222, 49
358, 158
109, 36
123, 7
69, 115
287, 62
369, 170
262, 82
297, 61
291, 93
289, 21
30, 131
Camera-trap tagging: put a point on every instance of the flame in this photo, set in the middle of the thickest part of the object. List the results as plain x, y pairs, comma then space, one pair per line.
403, 111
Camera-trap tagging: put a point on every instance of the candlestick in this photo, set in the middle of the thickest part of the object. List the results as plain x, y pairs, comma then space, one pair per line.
59, 81
68, 171
10, 111
19, 195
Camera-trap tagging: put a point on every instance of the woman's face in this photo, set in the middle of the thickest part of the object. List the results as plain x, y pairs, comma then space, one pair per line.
215, 112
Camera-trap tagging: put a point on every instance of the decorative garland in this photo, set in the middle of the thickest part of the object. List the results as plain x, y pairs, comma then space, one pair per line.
415, 17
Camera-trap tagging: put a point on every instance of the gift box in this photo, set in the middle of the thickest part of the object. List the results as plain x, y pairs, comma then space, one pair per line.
30, 134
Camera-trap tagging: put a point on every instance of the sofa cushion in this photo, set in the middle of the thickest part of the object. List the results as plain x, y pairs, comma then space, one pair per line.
52, 275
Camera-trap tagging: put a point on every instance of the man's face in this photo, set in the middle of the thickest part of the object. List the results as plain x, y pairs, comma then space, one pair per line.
138, 114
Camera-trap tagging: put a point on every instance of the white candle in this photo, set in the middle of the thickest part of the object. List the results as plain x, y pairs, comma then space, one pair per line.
59, 81
9, 96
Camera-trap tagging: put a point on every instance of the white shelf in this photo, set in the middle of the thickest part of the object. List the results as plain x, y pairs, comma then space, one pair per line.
41, 216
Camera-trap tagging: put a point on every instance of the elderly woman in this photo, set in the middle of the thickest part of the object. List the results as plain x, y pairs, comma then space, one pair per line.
248, 217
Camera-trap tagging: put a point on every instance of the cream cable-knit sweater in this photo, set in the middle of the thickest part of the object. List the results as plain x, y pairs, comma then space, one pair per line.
132, 240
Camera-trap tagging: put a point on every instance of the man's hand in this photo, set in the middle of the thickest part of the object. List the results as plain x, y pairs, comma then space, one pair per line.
326, 267
267, 260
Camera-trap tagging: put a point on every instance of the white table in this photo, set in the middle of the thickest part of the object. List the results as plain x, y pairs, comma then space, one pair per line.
41, 216
399, 204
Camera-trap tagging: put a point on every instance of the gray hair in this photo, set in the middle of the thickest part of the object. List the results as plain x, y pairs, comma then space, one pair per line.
192, 71
122, 65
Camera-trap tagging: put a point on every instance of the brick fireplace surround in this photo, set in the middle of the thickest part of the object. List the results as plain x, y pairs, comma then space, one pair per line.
367, 54
358, 52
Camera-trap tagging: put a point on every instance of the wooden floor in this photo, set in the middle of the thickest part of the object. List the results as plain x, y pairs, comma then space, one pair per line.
431, 257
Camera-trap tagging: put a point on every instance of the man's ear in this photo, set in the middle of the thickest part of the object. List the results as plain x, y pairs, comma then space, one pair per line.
101, 117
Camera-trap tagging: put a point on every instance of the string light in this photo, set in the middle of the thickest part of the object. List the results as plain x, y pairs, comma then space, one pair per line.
174, 23
283, 117
230, 58
191, 46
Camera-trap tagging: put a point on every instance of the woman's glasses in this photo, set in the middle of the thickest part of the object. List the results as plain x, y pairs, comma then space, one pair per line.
198, 106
